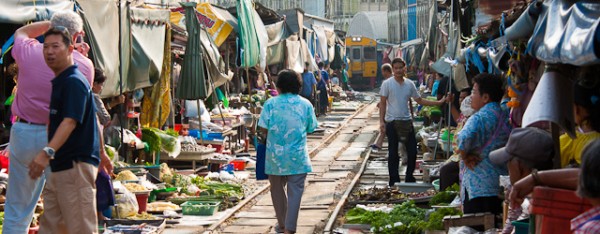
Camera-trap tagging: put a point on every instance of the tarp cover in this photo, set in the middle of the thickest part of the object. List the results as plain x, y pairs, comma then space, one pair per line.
565, 32
214, 63
101, 24
308, 56
249, 41
295, 61
23, 11
322, 40
148, 29
276, 32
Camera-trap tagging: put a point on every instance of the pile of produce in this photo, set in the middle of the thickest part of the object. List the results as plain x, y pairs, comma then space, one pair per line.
126, 175
405, 218
385, 195
161, 206
143, 216
135, 187
194, 148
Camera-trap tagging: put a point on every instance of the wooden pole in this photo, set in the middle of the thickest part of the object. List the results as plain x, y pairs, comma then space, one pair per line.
249, 84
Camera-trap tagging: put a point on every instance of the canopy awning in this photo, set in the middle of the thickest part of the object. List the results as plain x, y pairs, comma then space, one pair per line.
216, 21
23, 11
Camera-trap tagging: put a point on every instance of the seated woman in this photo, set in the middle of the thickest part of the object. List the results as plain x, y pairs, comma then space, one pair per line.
587, 117
485, 131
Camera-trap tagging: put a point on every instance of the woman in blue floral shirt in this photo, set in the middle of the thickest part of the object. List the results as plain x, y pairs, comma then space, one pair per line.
485, 131
286, 119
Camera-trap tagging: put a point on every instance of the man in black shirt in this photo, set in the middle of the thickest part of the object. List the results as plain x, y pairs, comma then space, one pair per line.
73, 146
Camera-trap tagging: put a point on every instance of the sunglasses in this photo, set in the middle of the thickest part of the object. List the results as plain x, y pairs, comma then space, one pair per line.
60, 30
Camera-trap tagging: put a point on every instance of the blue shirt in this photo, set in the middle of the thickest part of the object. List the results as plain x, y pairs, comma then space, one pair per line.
72, 98
325, 75
478, 131
308, 80
288, 118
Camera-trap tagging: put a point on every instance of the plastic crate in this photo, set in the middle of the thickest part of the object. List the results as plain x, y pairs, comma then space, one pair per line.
521, 226
202, 208
554, 209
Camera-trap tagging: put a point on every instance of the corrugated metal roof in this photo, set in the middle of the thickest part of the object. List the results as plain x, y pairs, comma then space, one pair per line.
371, 24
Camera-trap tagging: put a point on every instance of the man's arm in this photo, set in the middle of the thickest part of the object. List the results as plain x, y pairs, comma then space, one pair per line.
559, 178
105, 163
426, 102
41, 161
382, 111
33, 30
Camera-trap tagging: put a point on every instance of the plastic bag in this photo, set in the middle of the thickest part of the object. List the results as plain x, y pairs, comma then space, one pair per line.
126, 204
170, 144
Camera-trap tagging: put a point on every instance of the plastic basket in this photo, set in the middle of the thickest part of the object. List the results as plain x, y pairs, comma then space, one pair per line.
199, 208
521, 226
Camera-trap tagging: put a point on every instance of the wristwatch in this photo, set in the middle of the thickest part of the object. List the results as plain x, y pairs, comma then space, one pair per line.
50, 152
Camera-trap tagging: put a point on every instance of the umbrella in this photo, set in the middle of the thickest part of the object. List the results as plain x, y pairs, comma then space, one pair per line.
192, 80
249, 42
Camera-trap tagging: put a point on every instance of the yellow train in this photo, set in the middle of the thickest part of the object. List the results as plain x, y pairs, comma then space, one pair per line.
363, 66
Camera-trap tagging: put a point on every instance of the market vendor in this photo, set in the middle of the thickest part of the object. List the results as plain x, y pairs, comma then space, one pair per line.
488, 129
587, 117
528, 150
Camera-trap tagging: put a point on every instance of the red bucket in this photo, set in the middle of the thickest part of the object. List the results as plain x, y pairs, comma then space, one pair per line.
142, 199
239, 165
4, 159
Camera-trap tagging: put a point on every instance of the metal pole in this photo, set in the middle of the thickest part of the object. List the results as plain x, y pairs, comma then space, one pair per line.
122, 109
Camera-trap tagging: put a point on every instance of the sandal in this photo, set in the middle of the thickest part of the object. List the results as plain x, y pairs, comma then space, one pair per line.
375, 147
278, 228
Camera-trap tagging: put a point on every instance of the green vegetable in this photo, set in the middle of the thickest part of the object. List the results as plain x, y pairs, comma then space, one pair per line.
436, 219
445, 197
150, 136
404, 218
171, 132
168, 143
1, 219
109, 151
407, 213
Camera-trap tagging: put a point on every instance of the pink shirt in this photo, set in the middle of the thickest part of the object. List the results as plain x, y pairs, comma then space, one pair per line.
32, 101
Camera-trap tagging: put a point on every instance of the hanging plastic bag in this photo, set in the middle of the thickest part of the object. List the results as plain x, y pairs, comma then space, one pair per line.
126, 204
169, 144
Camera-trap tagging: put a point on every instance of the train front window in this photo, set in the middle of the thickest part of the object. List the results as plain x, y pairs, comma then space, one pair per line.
355, 53
370, 53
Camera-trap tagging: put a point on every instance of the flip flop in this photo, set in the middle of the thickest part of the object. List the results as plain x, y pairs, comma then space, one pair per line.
375, 147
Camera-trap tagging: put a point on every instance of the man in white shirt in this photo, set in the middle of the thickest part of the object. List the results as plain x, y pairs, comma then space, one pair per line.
396, 120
